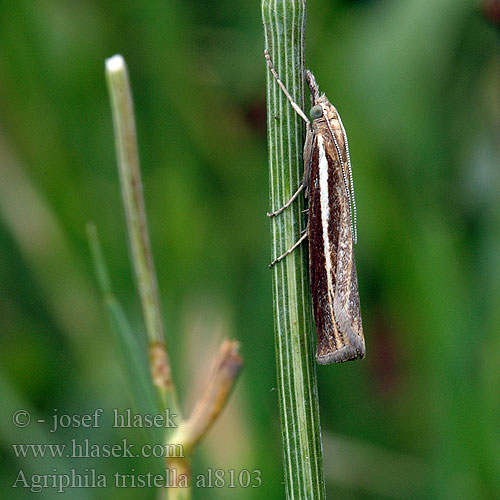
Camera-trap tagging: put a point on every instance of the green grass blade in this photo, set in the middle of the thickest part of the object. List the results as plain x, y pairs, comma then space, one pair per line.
284, 24
132, 350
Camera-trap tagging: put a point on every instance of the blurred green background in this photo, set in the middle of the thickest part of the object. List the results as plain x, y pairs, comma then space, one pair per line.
417, 86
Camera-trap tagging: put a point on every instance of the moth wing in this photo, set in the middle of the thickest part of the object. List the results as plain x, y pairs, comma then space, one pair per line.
346, 305
334, 284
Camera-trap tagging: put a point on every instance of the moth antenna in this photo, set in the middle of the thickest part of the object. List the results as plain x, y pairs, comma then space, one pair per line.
295, 106
354, 226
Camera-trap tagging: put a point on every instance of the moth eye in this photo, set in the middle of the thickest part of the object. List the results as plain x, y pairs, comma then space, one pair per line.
316, 112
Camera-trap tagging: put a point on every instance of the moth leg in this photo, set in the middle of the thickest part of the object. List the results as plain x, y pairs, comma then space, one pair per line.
288, 203
295, 106
307, 157
291, 249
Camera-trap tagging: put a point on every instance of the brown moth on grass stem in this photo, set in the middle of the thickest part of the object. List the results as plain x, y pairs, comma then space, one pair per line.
331, 229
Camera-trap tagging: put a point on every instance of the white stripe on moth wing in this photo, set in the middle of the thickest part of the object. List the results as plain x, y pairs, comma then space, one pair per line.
325, 217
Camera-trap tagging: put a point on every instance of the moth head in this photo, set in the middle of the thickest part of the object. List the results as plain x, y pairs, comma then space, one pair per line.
316, 112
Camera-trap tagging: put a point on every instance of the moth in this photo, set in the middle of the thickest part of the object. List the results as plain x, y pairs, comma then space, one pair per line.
331, 228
